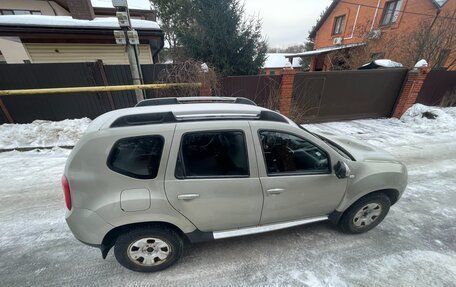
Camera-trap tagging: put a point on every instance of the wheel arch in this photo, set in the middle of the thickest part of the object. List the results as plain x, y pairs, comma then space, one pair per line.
391, 193
110, 238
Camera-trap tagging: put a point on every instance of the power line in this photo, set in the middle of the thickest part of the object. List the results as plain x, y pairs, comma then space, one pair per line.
400, 11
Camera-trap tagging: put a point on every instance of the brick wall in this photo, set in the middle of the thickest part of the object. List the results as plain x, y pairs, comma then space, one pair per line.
370, 17
406, 22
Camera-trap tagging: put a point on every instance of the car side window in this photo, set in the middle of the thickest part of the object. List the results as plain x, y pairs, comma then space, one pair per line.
137, 157
286, 153
213, 154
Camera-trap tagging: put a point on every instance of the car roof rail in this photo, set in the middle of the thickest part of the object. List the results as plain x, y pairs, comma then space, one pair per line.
194, 100
169, 117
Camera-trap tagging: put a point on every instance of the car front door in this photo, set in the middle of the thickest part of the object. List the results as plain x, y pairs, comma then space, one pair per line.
296, 173
212, 175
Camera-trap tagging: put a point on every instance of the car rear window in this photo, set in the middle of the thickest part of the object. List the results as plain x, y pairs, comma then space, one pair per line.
137, 157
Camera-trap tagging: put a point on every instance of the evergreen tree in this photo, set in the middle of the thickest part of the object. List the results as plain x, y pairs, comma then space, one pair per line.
217, 32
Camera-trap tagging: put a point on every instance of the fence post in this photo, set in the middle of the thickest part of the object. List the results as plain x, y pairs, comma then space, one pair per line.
104, 79
410, 90
286, 91
6, 112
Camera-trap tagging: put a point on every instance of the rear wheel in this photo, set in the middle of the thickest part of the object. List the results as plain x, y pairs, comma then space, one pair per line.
148, 249
365, 214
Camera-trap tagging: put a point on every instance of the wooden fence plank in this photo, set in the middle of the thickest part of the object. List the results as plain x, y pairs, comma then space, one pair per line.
6, 112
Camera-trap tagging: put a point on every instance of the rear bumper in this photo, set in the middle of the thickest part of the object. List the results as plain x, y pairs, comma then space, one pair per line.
87, 226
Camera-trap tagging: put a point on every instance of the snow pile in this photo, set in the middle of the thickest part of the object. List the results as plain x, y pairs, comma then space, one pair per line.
386, 63
390, 133
426, 119
416, 125
42, 133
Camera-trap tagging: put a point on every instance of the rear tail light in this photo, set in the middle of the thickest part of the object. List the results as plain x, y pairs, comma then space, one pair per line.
66, 192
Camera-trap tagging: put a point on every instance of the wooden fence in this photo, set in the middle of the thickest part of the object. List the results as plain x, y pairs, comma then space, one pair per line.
25, 109
316, 96
263, 90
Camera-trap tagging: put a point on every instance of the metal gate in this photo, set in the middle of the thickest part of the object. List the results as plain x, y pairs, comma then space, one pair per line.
345, 95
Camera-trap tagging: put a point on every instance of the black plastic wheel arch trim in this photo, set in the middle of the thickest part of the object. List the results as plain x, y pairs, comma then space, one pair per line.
199, 236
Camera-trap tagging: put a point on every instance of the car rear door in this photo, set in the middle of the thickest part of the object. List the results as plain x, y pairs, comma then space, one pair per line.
212, 175
296, 173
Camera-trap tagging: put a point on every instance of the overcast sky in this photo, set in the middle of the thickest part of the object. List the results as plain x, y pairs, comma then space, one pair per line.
286, 22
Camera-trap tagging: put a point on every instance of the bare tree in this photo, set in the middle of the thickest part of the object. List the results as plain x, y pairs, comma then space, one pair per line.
434, 41
376, 45
189, 71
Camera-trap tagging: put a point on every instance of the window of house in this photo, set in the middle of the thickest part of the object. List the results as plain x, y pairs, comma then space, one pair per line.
289, 154
338, 25
391, 12
443, 57
19, 12
213, 154
137, 157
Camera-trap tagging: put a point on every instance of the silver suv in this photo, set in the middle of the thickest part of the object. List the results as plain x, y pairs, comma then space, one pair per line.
148, 178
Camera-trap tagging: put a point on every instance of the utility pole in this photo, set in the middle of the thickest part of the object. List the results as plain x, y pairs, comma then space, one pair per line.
129, 37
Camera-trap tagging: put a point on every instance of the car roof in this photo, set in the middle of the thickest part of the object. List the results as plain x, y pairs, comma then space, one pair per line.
160, 114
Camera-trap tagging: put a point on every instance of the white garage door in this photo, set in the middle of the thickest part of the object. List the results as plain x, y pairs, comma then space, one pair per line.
65, 53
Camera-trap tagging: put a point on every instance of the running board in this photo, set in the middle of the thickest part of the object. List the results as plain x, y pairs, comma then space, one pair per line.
265, 228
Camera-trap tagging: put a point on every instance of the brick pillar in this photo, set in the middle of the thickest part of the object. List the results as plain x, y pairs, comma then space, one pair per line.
410, 90
81, 9
286, 91
205, 90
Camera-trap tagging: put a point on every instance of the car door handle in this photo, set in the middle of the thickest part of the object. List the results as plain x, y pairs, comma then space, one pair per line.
189, 196
275, 191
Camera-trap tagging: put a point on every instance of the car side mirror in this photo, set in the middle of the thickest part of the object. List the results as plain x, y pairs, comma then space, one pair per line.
342, 170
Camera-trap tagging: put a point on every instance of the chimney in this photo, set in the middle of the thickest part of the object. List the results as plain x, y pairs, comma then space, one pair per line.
81, 9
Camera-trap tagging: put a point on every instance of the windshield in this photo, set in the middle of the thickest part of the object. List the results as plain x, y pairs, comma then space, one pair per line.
333, 145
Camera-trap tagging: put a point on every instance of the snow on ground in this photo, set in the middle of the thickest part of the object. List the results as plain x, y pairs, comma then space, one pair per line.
412, 128
414, 246
42, 133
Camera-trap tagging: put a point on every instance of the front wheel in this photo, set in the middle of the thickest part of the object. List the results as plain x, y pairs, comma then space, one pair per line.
365, 214
148, 249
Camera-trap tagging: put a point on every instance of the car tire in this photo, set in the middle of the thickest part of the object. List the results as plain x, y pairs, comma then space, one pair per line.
365, 214
148, 249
